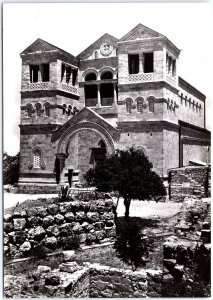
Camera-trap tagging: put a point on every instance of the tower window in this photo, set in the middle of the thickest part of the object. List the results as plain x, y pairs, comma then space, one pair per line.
148, 62
151, 105
106, 75
139, 105
34, 69
29, 109
38, 109
37, 159
128, 106
90, 76
45, 70
91, 95
47, 109
133, 63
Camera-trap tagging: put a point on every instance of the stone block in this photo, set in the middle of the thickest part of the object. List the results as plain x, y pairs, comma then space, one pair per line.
93, 217
50, 242
53, 230
19, 224
25, 247
32, 221
36, 233
48, 221
69, 267
59, 219
80, 216
68, 255
43, 269
66, 229
69, 216
52, 209
41, 211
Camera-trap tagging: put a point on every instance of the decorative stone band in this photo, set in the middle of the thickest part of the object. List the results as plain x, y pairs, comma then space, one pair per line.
141, 77
68, 88
39, 86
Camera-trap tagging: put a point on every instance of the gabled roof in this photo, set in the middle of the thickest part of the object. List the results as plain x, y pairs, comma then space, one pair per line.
89, 50
140, 31
41, 46
85, 115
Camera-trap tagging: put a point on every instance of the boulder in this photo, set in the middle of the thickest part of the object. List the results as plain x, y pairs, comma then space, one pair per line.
100, 235
77, 228
8, 226
65, 229
53, 230
82, 238
6, 249
31, 212
65, 207
59, 219
48, 220
75, 205
110, 231
69, 267
13, 249
25, 247
109, 203
169, 263
37, 233
20, 214
80, 216
100, 206
7, 217
69, 216
41, 212
108, 216
43, 269
91, 237
6, 239
50, 242
68, 255
32, 221
18, 237
19, 224
109, 223
53, 209
85, 226
99, 225
93, 217
90, 228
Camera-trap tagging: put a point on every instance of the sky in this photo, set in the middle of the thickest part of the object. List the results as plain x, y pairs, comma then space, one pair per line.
74, 26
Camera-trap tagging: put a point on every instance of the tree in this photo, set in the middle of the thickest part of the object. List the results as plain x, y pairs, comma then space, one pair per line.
10, 168
128, 172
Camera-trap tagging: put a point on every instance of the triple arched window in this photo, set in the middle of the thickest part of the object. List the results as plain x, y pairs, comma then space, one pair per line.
140, 105
38, 109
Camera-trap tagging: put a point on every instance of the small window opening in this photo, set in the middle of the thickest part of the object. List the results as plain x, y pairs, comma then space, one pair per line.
29, 110
34, 69
64, 109
101, 144
96, 54
38, 109
129, 106
47, 109
45, 70
37, 159
133, 63
151, 105
106, 75
90, 76
69, 110
140, 105
148, 62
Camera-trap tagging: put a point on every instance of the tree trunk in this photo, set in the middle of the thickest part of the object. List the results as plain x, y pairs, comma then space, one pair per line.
127, 206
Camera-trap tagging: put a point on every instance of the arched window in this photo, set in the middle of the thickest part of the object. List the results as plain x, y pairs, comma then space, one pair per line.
139, 105
129, 106
37, 159
69, 110
38, 109
64, 109
151, 105
96, 54
101, 144
106, 75
90, 76
47, 109
29, 109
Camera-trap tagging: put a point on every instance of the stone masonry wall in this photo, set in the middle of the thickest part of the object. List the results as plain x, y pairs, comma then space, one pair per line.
188, 181
92, 221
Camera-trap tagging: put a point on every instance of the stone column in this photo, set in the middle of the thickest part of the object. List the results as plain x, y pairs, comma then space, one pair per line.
115, 93
39, 73
99, 95
141, 62
61, 157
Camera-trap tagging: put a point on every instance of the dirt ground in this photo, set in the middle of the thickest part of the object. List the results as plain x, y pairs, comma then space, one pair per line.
142, 209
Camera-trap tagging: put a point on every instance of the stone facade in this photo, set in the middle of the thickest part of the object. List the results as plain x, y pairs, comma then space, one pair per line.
115, 94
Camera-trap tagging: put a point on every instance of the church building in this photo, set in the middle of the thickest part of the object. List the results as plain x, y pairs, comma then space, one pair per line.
116, 94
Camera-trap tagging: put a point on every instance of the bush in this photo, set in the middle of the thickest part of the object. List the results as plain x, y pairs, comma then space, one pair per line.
11, 168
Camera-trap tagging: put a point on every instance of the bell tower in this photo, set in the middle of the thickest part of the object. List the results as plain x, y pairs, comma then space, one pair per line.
49, 97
